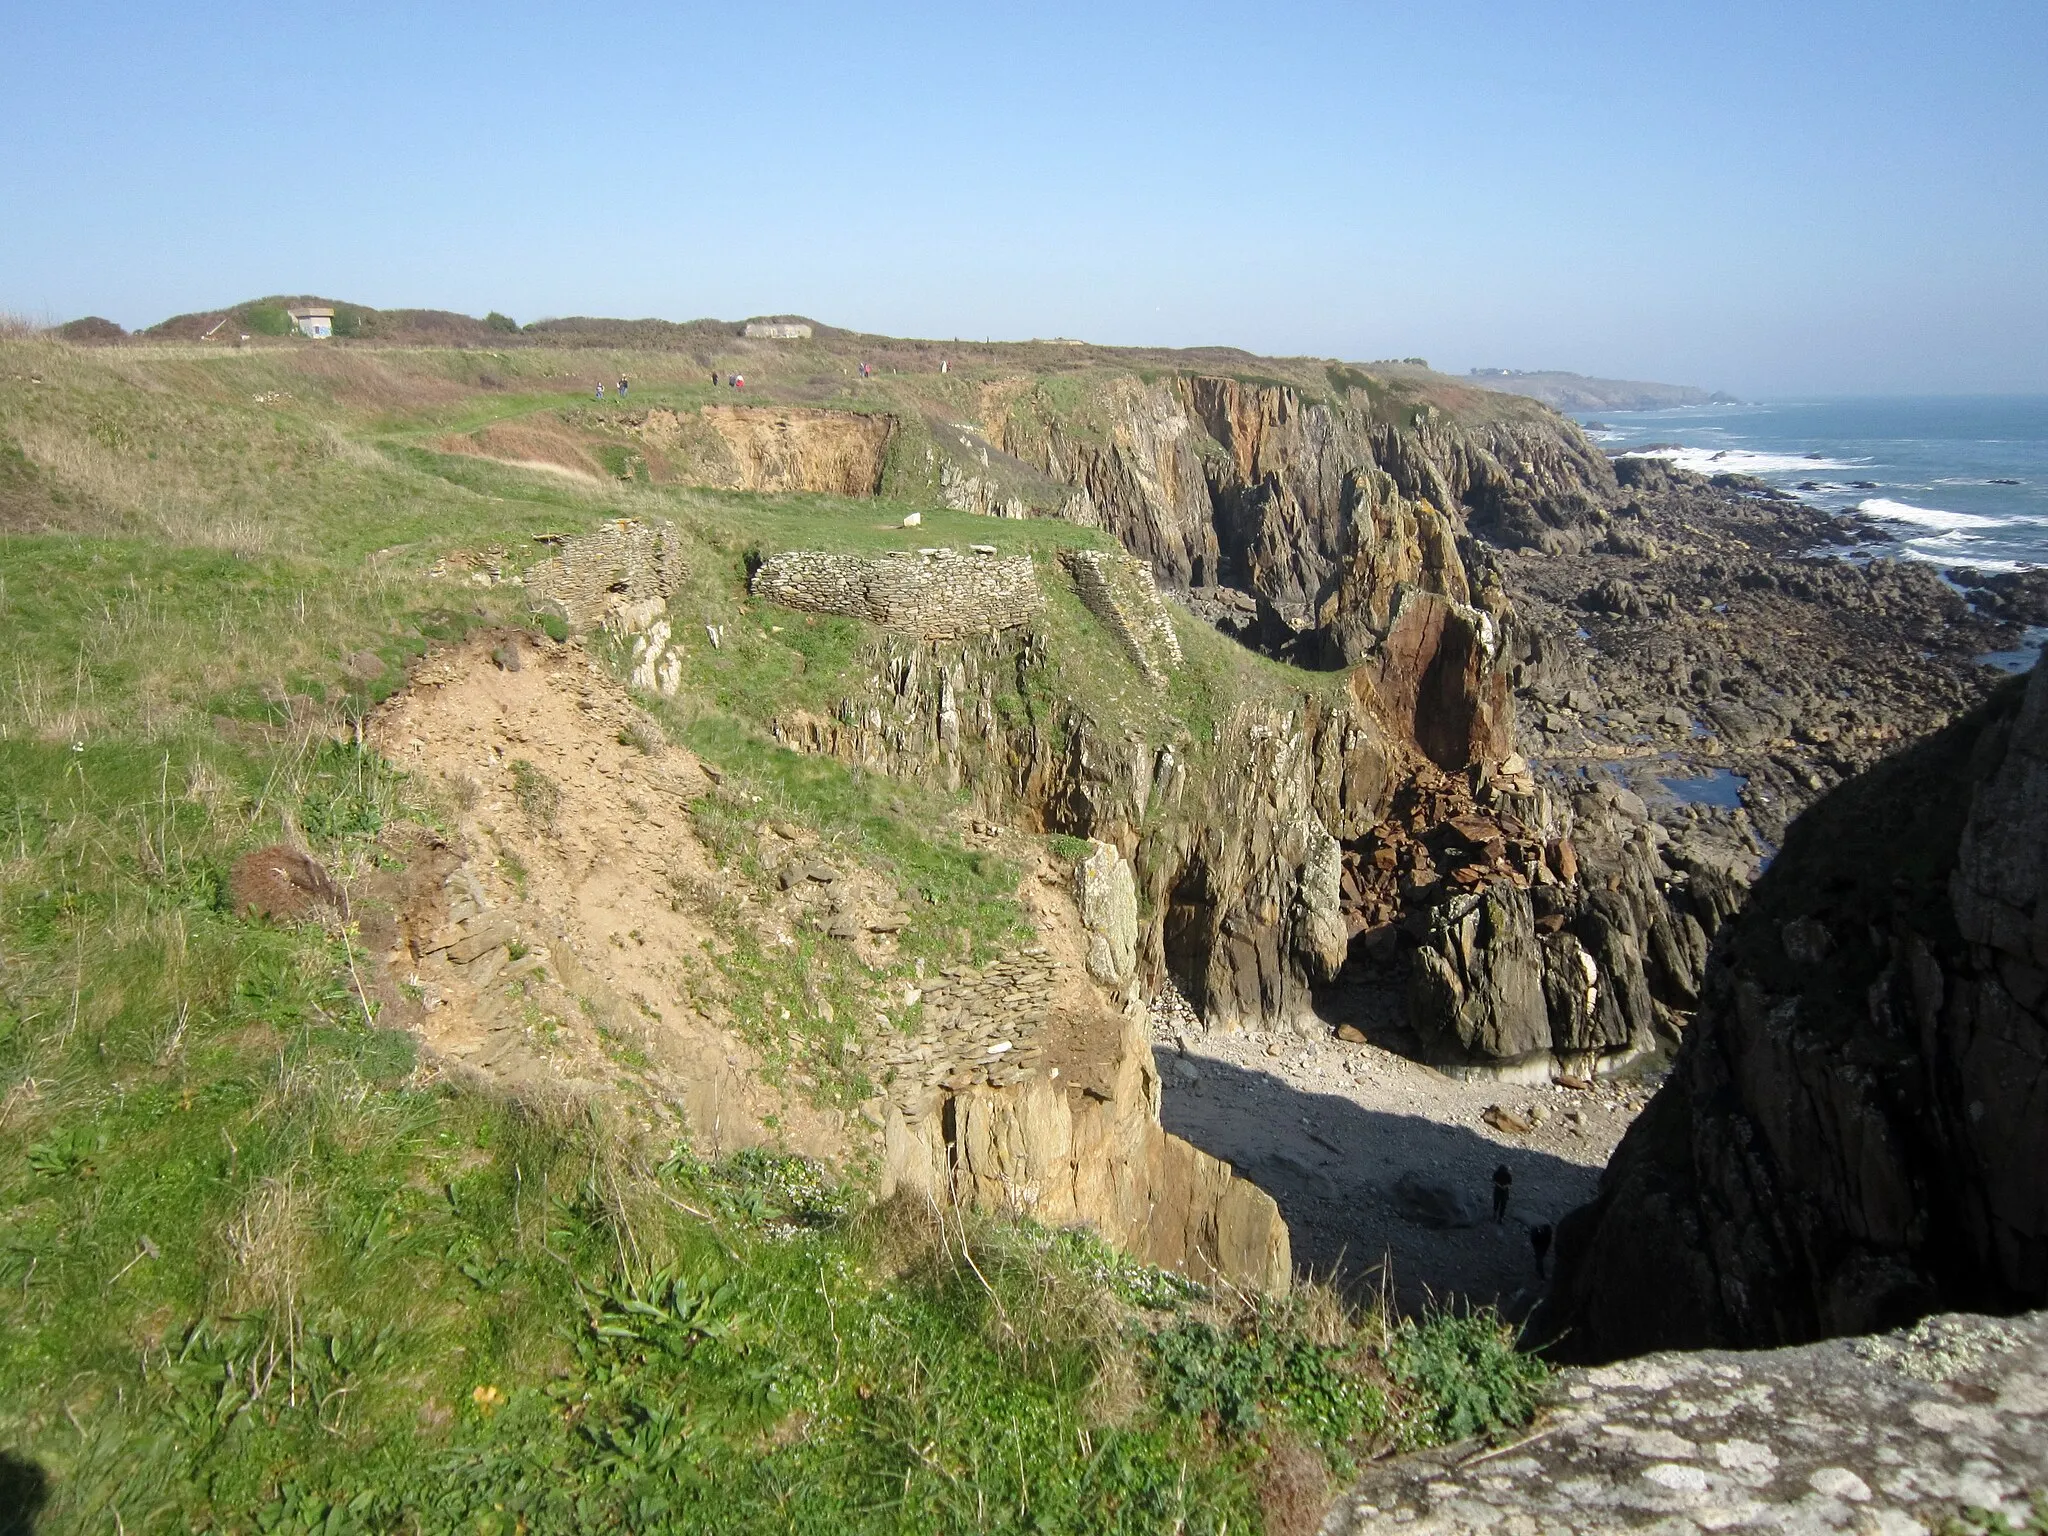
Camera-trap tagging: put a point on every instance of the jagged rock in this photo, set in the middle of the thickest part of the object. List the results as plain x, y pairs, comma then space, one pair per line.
1852, 1134
1477, 988
1893, 1434
1108, 895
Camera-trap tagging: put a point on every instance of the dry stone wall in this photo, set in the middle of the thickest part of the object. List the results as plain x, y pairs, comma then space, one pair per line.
935, 594
981, 1028
1120, 591
622, 567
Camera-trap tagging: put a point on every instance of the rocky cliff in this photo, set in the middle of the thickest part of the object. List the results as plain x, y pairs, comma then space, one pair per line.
1235, 839
1853, 1134
1334, 523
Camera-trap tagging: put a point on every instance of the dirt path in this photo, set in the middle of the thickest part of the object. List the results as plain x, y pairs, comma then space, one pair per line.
1385, 1167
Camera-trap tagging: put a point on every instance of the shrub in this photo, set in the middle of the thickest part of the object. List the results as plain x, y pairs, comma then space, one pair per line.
267, 320
498, 322
1242, 1376
1464, 1376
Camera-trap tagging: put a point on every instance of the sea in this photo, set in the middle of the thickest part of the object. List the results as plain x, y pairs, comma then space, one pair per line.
1957, 480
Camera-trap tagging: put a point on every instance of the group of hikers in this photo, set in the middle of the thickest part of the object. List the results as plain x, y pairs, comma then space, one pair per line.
736, 381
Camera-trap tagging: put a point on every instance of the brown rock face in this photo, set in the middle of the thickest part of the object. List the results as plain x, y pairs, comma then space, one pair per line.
1435, 677
1853, 1136
788, 448
1087, 1147
1337, 528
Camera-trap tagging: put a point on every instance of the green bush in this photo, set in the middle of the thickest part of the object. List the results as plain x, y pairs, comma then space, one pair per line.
1464, 1376
498, 322
1264, 1369
267, 320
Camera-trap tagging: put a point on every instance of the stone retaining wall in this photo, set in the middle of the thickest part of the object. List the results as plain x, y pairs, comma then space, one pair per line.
1119, 590
936, 594
980, 1028
622, 565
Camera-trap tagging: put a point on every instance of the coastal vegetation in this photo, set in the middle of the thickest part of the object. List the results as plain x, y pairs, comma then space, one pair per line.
263, 1267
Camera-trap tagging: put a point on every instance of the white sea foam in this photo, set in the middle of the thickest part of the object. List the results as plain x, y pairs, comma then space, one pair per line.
1952, 558
1738, 461
1924, 517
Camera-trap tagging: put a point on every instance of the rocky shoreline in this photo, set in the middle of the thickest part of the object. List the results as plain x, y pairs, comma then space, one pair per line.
1716, 631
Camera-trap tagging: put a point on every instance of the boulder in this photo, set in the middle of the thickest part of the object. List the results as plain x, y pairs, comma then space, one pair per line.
1888, 1434
1108, 895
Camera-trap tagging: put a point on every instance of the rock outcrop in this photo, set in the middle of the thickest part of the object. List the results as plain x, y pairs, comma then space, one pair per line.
764, 448
1338, 522
1894, 1434
1853, 1134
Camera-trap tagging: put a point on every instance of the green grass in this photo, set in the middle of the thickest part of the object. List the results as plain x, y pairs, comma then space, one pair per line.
260, 1269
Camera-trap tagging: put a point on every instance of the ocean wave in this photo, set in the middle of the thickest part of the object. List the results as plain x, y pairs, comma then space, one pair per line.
1739, 461
1891, 511
1950, 559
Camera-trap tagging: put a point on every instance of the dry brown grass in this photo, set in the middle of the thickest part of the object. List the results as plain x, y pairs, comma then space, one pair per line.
1294, 1486
265, 1244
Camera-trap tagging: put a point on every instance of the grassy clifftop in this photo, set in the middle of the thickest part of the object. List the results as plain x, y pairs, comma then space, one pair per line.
261, 1269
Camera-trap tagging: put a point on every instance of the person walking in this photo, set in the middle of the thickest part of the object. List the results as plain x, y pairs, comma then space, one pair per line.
622, 386
714, 378
1503, 1186
738, 382
600, 390
1539, 1239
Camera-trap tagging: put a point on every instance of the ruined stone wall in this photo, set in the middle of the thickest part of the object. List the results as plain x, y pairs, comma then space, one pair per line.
622, 565
1120, 591
935, 594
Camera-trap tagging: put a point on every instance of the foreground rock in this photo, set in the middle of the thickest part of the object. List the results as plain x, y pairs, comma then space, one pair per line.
1894, 1434
1853, 1135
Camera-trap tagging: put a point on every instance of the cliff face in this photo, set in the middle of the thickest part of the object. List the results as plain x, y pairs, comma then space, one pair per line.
1338, 522
1236, 841
1854, 1132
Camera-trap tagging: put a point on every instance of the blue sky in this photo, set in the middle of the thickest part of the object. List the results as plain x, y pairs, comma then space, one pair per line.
1763, 198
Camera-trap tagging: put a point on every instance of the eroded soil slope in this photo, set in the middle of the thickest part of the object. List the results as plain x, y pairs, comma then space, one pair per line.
563, 938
